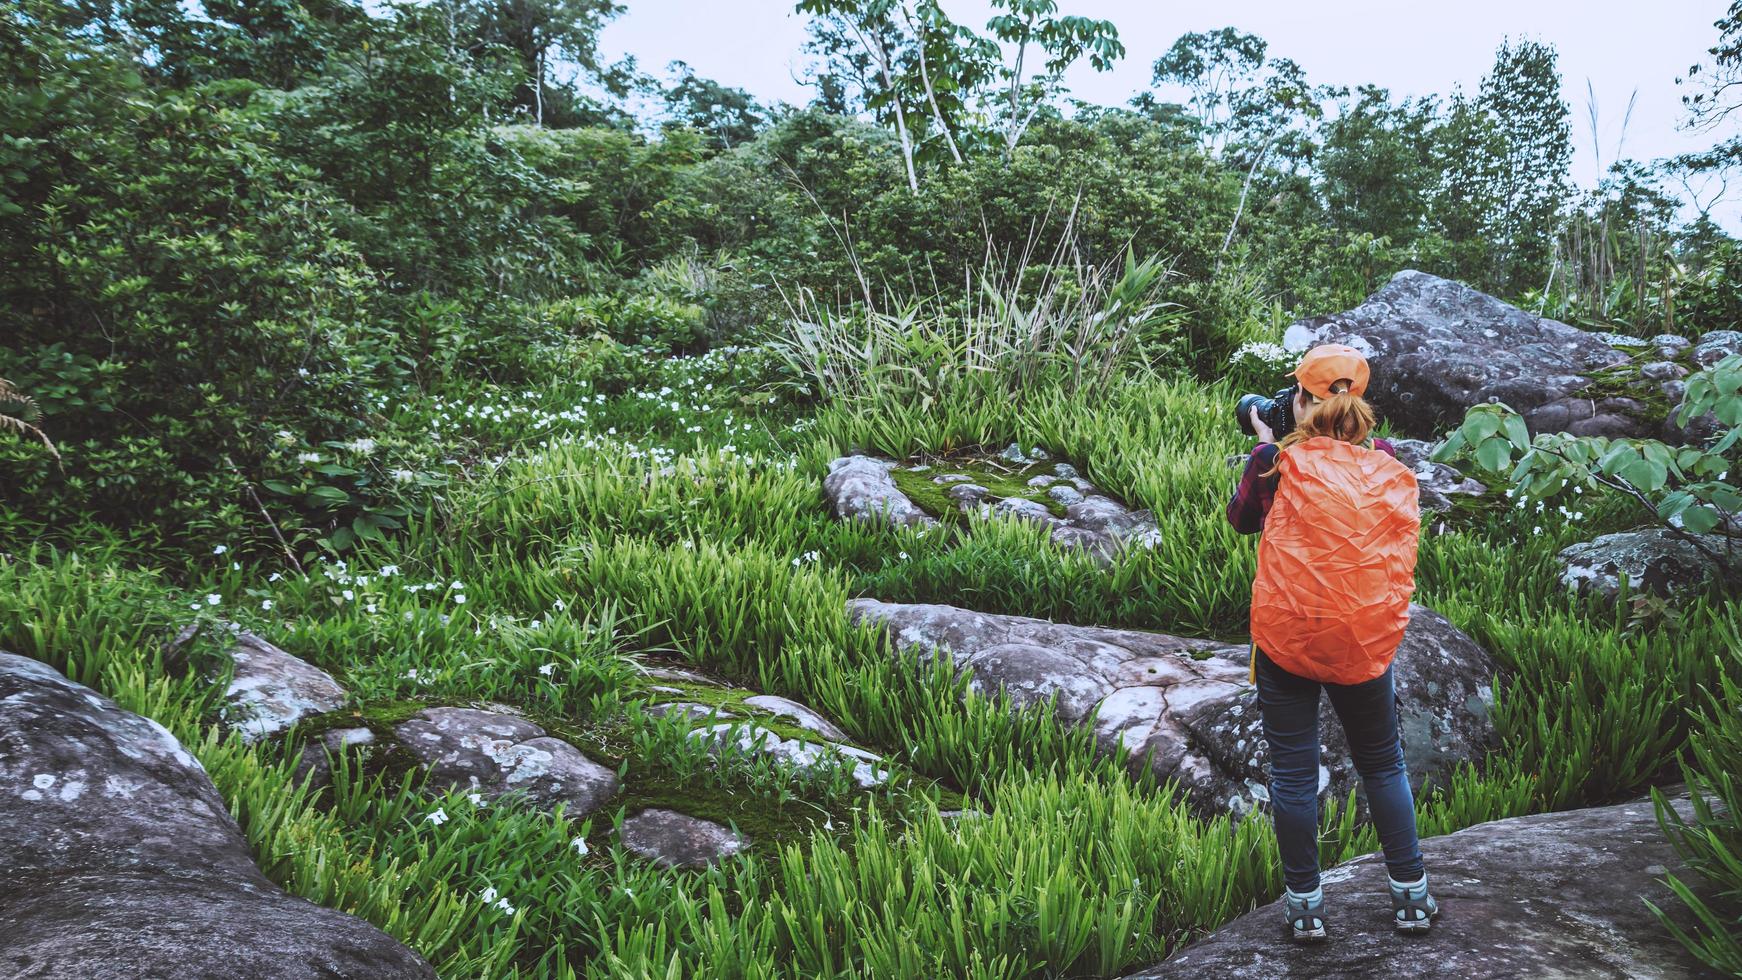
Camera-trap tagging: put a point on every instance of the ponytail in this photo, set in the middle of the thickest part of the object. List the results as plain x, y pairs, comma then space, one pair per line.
1345, 416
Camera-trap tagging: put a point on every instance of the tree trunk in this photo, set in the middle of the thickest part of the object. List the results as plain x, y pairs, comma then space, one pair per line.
538, 92
1245, 186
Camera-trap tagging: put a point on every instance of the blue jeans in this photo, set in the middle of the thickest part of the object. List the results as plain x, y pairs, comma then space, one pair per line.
1290, 708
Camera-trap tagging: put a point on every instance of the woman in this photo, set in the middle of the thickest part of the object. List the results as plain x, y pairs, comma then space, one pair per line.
1336, 568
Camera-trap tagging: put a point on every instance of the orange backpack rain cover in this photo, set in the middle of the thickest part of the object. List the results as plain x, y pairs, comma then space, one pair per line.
1336, 564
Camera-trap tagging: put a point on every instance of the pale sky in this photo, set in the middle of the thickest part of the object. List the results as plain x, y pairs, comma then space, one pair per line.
1410, 48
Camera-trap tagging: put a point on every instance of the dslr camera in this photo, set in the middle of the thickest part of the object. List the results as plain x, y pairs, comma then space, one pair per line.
1276, 412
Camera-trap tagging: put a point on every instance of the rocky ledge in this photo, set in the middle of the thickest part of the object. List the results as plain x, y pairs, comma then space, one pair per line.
1551, 895
1182, 707
121, 859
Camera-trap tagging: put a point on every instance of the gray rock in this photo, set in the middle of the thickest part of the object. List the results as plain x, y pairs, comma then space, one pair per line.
677, 840
1674, 342
316, 754
1437, 347
798, 714
122, 861
805, 755
1042, 480
1717, 345
1094, 523
1182, 707
1022, 507
1654, 559
272, 690
1551, 895
860, 488
967, 495
1436, 483
677, 674
494, 755
1066, 471
1662, 371
688, 709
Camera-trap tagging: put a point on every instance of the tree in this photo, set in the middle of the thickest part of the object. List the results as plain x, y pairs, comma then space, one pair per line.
541, 32
947, 90
1376, 166
1213, 67
1034, 24
726, 116
1719, 87
1522, 96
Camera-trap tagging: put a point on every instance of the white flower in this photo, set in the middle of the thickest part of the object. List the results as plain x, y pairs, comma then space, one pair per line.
535, 624
411, 674
302, 372
266, 603
438, 818
476, 798
546, 669
459, 600
403, 475
308, 457
275, 576
213, 599
457, 585
220, 549
388, 571
235, 566
364, 445
1536, 530
488, 894
502, 903
903, 556
349, 595
285, 436
559, 605
580, 846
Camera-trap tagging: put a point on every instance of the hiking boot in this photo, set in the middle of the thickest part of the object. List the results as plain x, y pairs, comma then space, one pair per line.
1305, 915
1412, 908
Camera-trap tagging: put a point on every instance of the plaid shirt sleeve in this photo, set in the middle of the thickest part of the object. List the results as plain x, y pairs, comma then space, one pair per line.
1253, 497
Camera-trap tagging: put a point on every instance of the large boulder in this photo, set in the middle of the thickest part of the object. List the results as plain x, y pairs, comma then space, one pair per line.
1438, 347
1653, 559
1182, 708
1551, 895
122, 861
496, 754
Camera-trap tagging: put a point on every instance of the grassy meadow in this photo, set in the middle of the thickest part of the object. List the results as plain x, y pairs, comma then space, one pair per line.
682, 523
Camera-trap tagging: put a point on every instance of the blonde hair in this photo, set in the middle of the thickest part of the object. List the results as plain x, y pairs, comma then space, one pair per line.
1344, 416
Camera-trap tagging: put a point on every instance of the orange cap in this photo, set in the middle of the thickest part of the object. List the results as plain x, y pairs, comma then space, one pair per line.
1327, 364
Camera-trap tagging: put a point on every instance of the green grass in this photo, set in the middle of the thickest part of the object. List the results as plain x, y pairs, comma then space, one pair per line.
586, 557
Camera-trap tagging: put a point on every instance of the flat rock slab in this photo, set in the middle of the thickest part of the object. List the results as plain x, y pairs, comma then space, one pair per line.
122, 861
495, 754
861, 487
1182, 707
797, 714
678, 840
271, 690
1437, 347
867, 768
1553, 895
